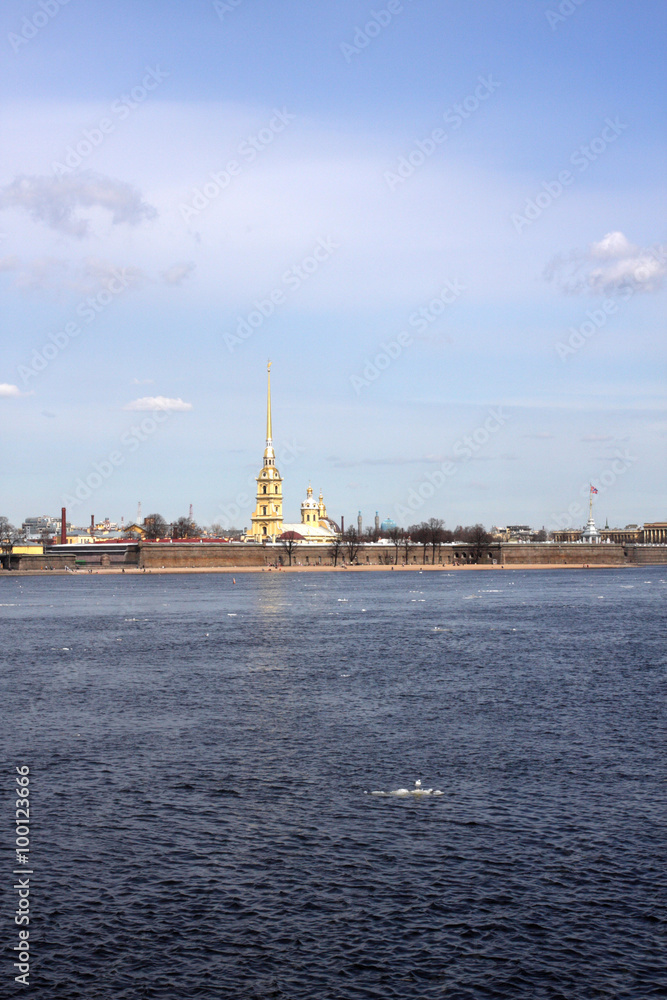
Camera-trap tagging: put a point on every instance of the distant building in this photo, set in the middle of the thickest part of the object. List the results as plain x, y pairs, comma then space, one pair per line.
590, 532
135, 529
27, 549
654, 533
316, 525
514, 533
35, 527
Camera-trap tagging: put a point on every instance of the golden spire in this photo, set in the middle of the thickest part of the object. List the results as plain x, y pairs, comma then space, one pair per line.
268, 406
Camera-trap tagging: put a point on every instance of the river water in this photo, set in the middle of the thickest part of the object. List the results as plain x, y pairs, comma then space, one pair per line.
202, 755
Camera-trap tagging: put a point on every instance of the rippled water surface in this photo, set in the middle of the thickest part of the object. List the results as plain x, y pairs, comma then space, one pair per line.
202, 754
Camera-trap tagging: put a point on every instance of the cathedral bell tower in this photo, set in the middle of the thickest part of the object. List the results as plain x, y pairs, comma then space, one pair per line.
267, 521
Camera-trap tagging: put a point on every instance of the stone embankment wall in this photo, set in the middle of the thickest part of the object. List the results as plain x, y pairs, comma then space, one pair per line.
192, 555
647, 555
158, 555
80, 558
43, 563
219, 555
582, 554
572, 554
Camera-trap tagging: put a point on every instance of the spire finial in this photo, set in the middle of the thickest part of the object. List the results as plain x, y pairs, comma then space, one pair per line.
269, 434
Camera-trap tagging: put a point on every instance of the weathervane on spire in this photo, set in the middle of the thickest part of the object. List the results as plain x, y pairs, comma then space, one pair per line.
268, 407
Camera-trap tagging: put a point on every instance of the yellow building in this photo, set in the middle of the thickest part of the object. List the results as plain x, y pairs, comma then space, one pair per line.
267, 521
315, 525
135, 529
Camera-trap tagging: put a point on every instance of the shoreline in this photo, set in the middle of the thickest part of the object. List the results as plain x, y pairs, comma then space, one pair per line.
137, 571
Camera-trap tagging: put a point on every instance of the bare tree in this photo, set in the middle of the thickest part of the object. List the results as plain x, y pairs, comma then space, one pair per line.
185, 528
335, 548
216, 530
289, 541
420, 534
435, 527
406, 546
234, 533
371, 534
8, 533
479, 540
395, 536
155, 527
353, 543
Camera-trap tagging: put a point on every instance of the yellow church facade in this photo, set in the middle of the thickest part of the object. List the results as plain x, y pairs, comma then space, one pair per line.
266, 522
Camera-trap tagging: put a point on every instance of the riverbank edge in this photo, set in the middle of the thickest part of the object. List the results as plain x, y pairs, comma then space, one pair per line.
227, 570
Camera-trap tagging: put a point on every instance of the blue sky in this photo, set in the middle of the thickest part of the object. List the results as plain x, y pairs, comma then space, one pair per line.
443, 222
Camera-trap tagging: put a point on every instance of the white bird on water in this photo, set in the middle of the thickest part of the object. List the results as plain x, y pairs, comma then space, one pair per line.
417, 791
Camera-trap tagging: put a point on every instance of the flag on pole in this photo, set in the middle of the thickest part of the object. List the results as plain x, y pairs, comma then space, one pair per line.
593, 490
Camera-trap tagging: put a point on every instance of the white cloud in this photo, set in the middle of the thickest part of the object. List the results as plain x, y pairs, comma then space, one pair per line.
612, 245
87, 276
98, 273
158, 403
609, 266
142, 381
177, 273
55, 200
9, 390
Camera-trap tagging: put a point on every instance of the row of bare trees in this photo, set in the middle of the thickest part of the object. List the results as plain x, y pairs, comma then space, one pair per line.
430, 535
156, 527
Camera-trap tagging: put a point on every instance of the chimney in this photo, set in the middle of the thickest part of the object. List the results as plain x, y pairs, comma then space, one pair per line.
92, 524
342, 525
63, 526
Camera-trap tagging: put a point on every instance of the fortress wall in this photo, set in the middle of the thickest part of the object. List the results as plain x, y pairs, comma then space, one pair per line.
190, 555
563, 554
175, 555
155, 555
647, 555
27, 563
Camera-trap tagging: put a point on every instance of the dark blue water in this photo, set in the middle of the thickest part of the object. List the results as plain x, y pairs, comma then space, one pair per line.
201, 755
